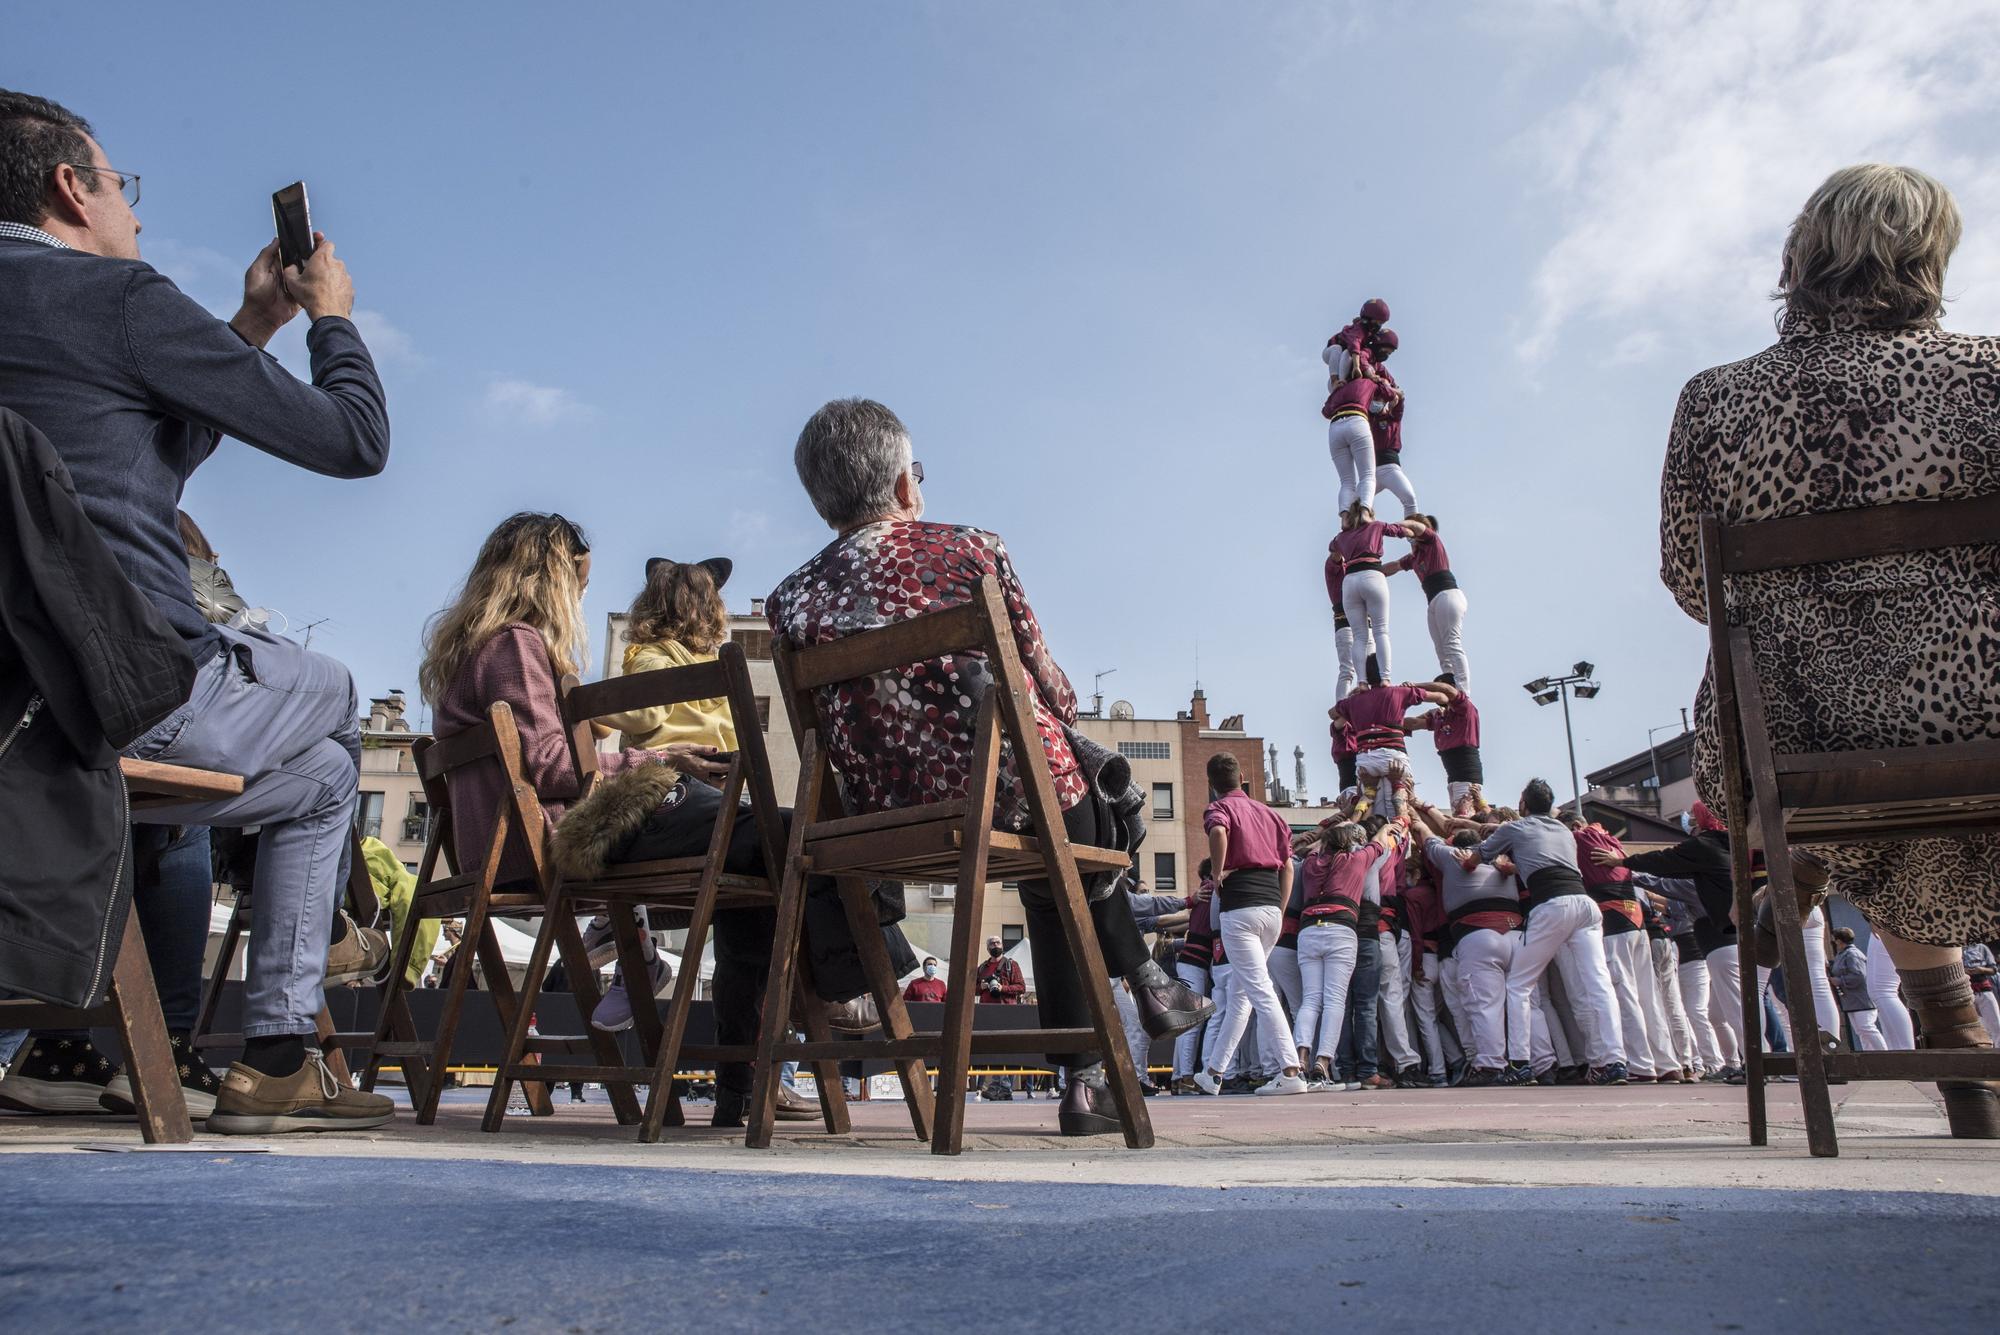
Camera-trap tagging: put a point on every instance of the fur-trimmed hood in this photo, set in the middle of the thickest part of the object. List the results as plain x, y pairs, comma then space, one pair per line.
603, 824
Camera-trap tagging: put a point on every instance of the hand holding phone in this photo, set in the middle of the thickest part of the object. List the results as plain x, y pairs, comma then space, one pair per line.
291, 215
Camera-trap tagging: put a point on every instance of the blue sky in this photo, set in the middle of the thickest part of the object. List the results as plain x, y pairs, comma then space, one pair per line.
611, 258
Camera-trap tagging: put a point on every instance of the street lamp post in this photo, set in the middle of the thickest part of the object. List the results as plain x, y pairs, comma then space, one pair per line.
1548, 690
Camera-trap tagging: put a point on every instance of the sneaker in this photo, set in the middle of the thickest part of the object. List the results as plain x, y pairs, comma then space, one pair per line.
1715, 1077
309, 1099
1667, 1077
1282, 1084
1480, 1077
57, 1075
856, 1016
1613, 1074
614, 1013
199, 1084
1205, 1083
600, 943
1735, 1075
1239, 1084
1547, 1077
1413, 1077
1688, 1076
360, 956
1572, 1075
1186, 1085
1515, 1073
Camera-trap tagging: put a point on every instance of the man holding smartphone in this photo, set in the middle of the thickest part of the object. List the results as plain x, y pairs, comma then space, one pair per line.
135, 384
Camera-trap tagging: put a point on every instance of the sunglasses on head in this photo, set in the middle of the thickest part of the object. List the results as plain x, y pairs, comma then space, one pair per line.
576, 537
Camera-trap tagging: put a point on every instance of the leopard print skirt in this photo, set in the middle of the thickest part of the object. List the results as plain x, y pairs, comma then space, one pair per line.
1900, 652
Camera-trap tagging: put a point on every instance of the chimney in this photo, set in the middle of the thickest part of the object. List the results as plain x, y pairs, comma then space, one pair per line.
756, 607
385, 713
1198, 709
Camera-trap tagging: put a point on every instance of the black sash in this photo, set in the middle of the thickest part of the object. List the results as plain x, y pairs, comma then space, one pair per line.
1437, 582
1461, 765
1553, 883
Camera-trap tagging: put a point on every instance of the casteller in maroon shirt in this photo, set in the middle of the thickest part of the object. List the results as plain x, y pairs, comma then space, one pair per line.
1376, 714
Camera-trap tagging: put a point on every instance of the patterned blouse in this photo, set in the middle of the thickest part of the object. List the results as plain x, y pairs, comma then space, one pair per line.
903, 738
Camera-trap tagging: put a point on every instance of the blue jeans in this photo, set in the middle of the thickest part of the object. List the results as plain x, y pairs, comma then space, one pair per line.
284, 719
1356, 1059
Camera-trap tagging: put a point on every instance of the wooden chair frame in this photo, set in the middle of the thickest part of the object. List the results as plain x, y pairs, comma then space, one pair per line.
132, 1004
447, 891
952, 840
698, 886
1832, 797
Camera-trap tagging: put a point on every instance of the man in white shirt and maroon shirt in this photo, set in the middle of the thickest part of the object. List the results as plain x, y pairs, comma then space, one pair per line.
1375, 713
1251, 849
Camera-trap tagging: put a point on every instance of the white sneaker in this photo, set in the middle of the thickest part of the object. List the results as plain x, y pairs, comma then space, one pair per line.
1351, 1085
1207, 1083
1282, 1084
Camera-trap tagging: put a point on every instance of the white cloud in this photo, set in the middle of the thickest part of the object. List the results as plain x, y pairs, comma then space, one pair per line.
387, 343
535, 405
1673, 173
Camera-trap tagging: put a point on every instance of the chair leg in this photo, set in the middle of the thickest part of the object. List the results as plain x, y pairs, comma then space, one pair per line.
583, 991
1822, 1142
149, 1057
826, 1075
211, 997
517, 1033
336, 1060
881, 977
661, 1093
501, 987
392, 999
955, 1061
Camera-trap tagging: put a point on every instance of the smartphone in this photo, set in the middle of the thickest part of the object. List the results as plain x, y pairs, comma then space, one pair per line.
294, 223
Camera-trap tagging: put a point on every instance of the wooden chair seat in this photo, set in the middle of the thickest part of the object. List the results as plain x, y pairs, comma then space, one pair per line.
1894, 793
931, 850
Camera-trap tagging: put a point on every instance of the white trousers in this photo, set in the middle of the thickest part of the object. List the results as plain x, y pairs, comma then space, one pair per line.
1392, 479
1989, 1014
1567, 932
1387, 770
1446, 615
1466, 798
1626, 958
1343, 647
1285, 975
1867, 1031
1211, 1033
1667, 986
1326, 966
1483, 959
1365, 595
1725, 1003
1394, 1025
1247, 938
1424, 1002
1352, 446
1891, 1015
1137, 1041
1694, 1001
1826, 1010
1187, 1048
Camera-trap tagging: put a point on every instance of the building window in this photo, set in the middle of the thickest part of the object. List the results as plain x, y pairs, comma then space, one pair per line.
763, 713
1163, 801
1014, 886
756, 643
1146, 750
1163, 872
1011, 935
368, 815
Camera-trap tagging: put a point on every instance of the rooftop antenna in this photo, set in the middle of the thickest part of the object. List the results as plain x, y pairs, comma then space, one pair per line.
308, 628
1097, 693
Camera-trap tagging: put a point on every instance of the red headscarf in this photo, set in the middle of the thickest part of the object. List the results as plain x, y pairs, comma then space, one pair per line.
1704, 819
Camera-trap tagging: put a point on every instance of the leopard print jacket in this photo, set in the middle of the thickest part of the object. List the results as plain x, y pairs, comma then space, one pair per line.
1883, 652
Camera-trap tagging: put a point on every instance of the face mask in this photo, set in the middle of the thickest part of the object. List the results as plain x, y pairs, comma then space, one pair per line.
994, 951
930, 971
1687, 822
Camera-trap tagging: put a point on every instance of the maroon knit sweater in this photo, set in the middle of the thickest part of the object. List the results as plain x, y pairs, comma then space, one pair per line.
512, 666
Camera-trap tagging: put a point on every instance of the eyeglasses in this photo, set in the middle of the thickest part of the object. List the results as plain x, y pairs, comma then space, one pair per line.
917, 471
128, 182
576, 537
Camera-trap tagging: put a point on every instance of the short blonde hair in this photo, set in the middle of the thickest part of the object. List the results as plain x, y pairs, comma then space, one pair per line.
1872, 243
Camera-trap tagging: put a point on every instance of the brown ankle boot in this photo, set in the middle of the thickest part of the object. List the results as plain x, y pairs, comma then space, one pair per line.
1972, 1107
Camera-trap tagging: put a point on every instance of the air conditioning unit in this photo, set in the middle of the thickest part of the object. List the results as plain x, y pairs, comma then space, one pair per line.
942, 891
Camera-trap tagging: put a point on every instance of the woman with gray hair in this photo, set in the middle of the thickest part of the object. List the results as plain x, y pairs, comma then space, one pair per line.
904, 737
1335, 872
1864, 401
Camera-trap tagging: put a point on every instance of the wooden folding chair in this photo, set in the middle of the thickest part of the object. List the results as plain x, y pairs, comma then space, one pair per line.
444, 890
1832, 797
132, 1004
365, 907
940, 841
695, 886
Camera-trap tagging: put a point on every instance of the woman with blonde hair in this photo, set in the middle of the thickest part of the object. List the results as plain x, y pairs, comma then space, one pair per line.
1864, 401
512, 631
677, 620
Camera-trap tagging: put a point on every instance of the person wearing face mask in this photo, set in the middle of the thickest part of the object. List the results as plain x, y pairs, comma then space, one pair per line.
928, 988
1000, 980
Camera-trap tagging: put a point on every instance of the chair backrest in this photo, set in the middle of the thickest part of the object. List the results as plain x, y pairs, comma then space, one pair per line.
728, 677
981, 626
496, 742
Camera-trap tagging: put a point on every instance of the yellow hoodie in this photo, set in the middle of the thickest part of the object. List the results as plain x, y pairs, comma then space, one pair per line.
701, 722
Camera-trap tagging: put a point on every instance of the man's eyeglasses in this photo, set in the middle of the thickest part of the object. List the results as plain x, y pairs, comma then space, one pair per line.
128, 182
575, 535
917, 471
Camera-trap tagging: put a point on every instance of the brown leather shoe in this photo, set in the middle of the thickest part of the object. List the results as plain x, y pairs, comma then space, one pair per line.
1971, 1107
796, 1107
309, 1099
361, 956
856, 1016
1171, 1009
1088, 1110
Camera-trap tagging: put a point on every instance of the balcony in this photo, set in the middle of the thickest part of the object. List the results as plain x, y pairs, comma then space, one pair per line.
371, 827
416, 829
